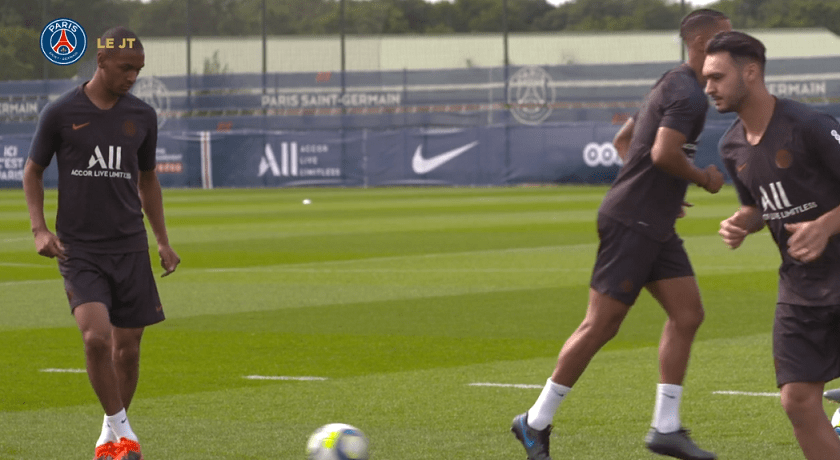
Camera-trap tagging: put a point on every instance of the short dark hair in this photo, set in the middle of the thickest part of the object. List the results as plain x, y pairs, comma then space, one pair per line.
739, 45
119, 34
698, 20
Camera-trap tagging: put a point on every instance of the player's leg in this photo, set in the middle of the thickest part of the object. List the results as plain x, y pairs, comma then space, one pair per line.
802, 402
93, 322
624, 262
619, 274
136, 305
673, 285
89, 294
604, 316
680, 298
603, 319
97, 335
806, 353
126, 357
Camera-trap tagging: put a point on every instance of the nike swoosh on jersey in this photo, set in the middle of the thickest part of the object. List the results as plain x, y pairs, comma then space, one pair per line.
422, 165
741, 167
75, 126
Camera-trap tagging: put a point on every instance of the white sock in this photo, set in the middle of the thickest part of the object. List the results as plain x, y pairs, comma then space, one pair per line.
107, 434
666, 412
120, 426
542, 413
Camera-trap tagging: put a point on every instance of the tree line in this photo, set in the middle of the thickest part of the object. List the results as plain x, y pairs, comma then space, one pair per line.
21, 22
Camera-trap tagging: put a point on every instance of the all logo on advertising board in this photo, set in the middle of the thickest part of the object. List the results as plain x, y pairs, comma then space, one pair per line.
299, 160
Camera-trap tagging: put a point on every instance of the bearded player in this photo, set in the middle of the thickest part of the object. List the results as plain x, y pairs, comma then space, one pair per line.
784, 160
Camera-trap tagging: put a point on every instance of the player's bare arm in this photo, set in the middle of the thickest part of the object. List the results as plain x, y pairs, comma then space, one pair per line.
151, 199
46, 242
621, 142
809, 239
736, 228
667, 155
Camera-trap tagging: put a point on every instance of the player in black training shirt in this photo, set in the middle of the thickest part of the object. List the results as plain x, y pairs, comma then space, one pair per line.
639, 248
104, 141
784, 159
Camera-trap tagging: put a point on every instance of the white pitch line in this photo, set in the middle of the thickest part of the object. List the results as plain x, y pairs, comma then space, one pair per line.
15, 283
281, 267
284, 377
64, 371
292, 269
745, 393
15, 240
524, 386
24, 265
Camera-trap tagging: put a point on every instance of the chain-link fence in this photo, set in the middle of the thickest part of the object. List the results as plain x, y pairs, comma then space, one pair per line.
528, 106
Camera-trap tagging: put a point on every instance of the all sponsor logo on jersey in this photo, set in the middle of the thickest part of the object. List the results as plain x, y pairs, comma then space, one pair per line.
98, 166
63, 41
595, 154
531, 95
775, 202
296, 161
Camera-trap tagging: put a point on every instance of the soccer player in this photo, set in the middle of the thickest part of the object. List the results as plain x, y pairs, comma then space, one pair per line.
784, 160
639, 248
104, 141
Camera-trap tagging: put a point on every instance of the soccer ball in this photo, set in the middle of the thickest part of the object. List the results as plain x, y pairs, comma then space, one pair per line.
835, 421
337, 441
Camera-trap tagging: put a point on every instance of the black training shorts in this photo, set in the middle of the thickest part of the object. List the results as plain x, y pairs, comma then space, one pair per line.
628, 260
806, 343
123, 282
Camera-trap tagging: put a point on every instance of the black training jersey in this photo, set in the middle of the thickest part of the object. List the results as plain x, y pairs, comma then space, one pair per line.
99, 154
643, 196
792, 175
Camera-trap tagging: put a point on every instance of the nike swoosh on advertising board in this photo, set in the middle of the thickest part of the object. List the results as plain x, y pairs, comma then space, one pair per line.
424, 165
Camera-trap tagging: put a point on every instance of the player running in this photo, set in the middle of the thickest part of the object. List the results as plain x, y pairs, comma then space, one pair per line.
104, 141
639, 248
784, 160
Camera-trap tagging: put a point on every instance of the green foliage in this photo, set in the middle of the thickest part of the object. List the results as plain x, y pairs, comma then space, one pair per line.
21, 23
168, 18
22, 59
584, 15
782, 13
213, 65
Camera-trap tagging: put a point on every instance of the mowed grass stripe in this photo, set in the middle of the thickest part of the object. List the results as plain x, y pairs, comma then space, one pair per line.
401, 297
412, 414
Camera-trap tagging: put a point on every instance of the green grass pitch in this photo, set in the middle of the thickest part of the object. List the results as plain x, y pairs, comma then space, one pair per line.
400, 299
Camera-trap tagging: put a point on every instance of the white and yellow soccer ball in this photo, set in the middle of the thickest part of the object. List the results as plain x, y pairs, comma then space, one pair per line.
337, 441
835, 421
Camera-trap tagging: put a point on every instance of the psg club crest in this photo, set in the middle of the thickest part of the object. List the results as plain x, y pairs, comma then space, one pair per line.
531, 95
63, 41
153, 92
